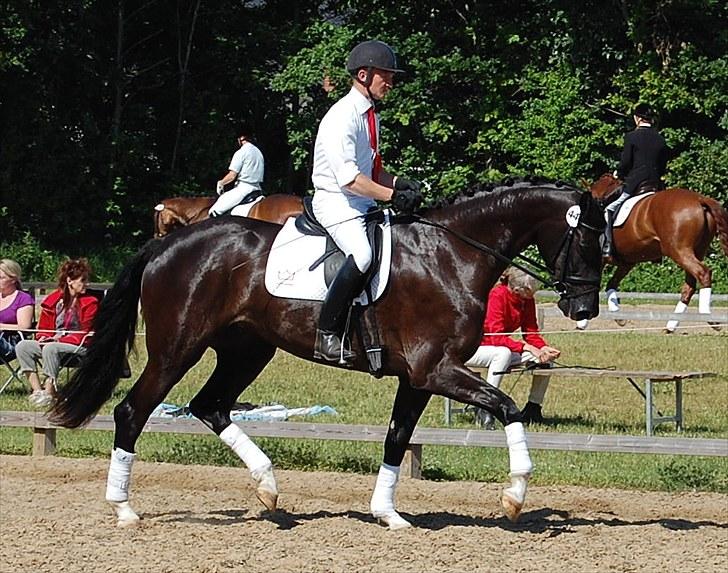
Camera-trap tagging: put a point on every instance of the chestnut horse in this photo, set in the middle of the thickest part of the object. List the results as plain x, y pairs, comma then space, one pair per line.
177, 212
207, 290
675, 223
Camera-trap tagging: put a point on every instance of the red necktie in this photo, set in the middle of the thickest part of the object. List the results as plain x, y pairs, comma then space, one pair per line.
372, 123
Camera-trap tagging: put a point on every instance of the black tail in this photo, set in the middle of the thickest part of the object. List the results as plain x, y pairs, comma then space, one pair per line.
93, 382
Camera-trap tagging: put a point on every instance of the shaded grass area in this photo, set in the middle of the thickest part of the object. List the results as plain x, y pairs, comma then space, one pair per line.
602, 406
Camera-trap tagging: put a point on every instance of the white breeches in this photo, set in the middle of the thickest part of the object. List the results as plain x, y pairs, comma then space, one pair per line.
231, 199
498, 359
343, 217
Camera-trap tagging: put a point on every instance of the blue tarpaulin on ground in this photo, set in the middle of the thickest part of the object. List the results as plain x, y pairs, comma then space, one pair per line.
268, 412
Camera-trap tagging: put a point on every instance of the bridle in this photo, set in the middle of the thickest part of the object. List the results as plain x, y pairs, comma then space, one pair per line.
559, 283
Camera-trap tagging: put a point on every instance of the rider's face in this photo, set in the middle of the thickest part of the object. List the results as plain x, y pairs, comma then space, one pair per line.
382, 82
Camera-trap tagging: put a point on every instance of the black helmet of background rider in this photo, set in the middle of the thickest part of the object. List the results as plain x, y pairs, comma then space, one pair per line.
369, 55
644, 111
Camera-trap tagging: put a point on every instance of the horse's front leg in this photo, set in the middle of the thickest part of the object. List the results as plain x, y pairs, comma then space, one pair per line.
455, 381
408, 407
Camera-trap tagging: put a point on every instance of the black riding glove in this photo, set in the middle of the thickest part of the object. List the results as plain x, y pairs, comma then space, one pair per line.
407, 196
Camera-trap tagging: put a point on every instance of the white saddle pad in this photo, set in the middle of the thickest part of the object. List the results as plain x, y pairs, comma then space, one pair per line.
292, 253
626, 209
243, 210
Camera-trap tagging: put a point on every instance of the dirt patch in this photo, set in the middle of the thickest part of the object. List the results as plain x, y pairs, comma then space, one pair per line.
206, 519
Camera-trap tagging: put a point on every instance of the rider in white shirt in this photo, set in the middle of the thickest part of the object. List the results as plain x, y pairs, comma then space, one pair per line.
246, 170
348, 179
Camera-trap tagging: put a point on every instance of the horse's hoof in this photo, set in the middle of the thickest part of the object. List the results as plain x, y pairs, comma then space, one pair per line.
511, 507
267, 491
514, 497
715, 326
125, 515
393, 520
582, 324
620, 322
267, 498
667, 331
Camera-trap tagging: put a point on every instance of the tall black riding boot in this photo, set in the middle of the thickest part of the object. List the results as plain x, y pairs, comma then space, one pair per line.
608, 246
346, 285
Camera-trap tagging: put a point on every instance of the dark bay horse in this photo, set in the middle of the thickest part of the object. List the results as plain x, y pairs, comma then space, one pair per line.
675, 223
203, 287
177, 212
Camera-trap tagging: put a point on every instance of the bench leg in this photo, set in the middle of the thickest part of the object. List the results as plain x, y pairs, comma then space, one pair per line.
412, 462
678, 406
448, 411
44, 441
649, 409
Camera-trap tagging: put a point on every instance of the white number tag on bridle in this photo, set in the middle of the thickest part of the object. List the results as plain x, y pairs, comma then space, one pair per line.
573, 215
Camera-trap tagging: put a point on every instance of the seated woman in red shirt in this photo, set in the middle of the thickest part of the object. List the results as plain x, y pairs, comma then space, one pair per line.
511, 308
63, 328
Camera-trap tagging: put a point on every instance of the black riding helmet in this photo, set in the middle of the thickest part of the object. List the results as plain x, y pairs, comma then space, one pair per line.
643, 111
372, 54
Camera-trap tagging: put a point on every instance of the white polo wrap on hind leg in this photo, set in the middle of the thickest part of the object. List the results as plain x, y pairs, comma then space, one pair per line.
119, 478
680, 308
704, 300
520, 460
239, 442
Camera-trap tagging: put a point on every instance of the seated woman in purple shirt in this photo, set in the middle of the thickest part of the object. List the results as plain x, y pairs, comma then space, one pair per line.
16, 308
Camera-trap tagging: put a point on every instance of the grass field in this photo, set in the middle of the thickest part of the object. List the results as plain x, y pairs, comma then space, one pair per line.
572, 405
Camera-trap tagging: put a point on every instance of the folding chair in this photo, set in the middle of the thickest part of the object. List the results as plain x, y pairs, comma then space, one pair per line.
14, 371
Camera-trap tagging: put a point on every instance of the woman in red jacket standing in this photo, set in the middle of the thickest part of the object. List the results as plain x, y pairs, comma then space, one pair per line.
511, 308
65, 321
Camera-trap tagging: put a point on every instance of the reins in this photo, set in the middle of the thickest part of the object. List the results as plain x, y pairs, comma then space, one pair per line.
558, 286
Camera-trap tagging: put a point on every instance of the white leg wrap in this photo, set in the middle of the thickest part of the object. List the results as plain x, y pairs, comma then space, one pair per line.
680, 308
704, 300
239, 442
539, 384
382, 502
520, 461
582, 324
119, 479
612, 300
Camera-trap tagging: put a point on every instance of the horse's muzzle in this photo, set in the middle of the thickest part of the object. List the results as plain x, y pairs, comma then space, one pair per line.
580, 306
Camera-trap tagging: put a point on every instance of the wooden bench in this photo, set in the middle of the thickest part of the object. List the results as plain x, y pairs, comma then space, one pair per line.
44, 437
650, 378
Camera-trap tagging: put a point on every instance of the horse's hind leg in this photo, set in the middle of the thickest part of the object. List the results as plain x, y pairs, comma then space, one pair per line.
408, 407
130, 415
695, 272
239, 361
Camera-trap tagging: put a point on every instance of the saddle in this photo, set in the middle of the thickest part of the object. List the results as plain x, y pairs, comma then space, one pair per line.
333, 258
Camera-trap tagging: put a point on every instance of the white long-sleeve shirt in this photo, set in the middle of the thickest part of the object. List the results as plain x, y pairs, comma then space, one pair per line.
343, 149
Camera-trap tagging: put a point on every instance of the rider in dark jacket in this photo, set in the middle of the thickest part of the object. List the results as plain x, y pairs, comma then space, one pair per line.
643, 160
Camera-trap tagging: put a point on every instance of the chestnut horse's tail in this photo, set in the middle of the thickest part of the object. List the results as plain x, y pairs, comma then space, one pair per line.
721, 220
93, 382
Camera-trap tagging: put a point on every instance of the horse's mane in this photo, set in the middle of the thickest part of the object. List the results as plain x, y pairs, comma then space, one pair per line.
505, 184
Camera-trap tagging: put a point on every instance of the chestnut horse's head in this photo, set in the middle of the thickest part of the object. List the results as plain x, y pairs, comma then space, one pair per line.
604, 187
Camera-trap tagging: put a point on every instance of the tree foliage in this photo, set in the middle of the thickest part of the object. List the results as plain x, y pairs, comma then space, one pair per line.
108, 107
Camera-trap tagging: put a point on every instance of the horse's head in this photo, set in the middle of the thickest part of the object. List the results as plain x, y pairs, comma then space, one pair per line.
574, 257
603, 187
